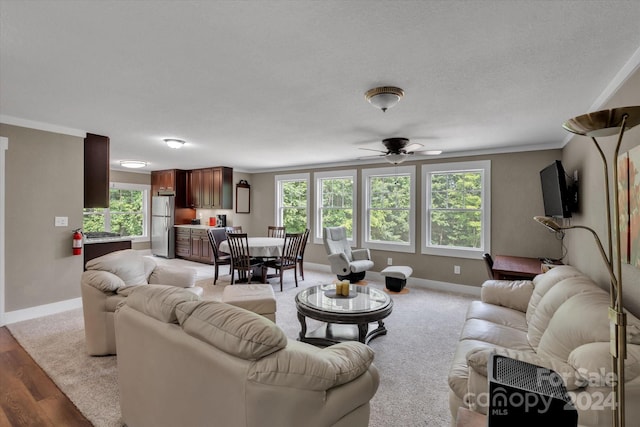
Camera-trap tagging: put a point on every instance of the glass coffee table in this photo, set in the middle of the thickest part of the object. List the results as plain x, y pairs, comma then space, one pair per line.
347, 318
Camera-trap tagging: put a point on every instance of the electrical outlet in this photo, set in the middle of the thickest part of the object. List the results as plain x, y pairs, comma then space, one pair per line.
61, 221
389, 261
456, 269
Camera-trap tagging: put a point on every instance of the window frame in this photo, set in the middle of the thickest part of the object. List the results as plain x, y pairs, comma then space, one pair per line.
319, 178
484, 166
366, 174
146, 212
278, 180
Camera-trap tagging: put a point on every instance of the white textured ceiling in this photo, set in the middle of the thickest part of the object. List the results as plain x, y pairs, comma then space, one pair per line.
262, 85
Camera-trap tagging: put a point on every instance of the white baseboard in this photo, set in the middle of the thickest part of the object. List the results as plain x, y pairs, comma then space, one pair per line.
414, 281
41, 310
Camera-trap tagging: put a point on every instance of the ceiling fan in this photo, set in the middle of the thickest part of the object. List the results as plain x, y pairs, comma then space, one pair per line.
399, 149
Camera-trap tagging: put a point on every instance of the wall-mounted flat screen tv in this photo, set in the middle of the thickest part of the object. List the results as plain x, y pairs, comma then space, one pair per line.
558, 199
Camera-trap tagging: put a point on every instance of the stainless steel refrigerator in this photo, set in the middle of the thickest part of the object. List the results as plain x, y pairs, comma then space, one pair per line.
162, 219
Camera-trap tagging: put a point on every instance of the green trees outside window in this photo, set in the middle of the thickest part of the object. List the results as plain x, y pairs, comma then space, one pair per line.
455, 211
125, 214
389, 208
293, 206
337, 203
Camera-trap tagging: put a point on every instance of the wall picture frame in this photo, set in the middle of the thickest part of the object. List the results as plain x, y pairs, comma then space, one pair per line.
243, 197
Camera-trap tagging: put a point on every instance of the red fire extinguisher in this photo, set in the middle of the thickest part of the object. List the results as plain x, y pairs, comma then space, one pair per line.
77, 242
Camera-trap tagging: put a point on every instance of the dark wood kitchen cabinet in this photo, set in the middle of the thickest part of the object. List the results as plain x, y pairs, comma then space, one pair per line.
171, 180
211, 188
96, 171
193, 244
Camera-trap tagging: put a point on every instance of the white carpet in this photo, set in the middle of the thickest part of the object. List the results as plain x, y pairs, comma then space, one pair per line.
413, 358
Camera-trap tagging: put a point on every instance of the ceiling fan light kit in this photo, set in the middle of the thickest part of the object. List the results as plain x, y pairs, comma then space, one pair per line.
384, 97
174, 143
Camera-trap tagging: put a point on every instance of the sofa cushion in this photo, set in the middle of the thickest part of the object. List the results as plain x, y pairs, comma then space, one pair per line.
582, 319
102, 280
183, 277
495, 334
233, 330
496, 314
552, 300
508, 293
593, 360
127, 264
543, 282
303, 366
159, 301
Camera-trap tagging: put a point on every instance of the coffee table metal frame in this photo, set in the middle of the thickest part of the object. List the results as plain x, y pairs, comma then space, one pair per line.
361, 318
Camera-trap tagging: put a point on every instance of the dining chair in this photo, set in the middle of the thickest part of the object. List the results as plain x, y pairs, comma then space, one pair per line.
234, 229
489, 264
288, 260
217, 235
241, 260
300, 257
274, 231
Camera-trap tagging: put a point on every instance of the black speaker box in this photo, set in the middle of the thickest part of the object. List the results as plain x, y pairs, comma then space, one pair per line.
526, 395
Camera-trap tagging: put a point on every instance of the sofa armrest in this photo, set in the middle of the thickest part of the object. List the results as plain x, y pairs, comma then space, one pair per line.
102, 280
361, 254
182, 277
306, 367
513, 294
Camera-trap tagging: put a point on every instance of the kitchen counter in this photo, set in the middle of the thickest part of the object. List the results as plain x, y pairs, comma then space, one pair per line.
196, 226
94, 248
106, 240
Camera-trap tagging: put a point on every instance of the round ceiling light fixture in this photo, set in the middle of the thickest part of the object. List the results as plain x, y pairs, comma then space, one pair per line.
133, 164
174, 143
384, 97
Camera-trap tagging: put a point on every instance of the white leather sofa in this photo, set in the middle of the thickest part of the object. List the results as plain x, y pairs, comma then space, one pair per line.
109, 279
558, 321
187, 362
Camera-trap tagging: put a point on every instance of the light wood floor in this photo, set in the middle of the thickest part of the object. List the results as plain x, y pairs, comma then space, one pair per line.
28, 397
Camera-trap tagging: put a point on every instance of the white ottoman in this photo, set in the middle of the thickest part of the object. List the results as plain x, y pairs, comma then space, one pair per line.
395, 277
257, 298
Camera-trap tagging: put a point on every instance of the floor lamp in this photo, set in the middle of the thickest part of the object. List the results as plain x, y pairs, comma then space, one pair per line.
601, 124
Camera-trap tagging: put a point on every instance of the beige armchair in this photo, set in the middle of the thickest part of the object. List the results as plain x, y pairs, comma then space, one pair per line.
346, 263
109, 279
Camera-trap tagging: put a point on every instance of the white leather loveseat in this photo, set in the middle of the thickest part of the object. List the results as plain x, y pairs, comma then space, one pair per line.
183, 361
109, 279
558, 321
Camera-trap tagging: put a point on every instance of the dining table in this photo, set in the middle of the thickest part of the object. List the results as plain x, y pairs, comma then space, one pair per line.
259, 247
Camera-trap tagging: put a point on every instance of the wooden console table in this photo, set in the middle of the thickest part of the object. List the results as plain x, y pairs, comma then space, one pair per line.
508, 267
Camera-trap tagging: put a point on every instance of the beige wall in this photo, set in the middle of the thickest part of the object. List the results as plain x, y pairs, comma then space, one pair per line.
581, 154
516, 198
44, 179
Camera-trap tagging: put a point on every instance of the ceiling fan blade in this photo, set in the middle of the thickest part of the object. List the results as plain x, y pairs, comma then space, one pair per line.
413, 146
428, 152
371, 157
372, 149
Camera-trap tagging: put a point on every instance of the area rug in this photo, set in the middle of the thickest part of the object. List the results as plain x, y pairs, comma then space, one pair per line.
413, 358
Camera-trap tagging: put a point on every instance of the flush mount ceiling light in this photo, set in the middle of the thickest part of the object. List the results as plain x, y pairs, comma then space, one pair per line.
384, 97
133, 164
174, 143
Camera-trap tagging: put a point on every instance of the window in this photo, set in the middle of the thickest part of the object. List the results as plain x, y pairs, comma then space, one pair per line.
127, 212
457, 214
292, 203
389, 208
335, 207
